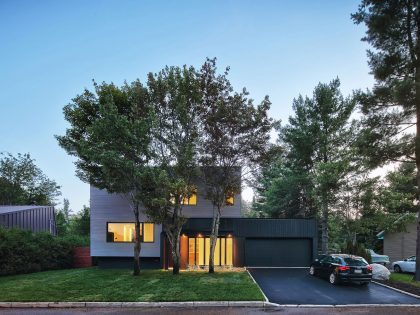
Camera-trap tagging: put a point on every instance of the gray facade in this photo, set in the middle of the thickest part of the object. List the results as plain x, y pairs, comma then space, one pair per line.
255, 242
401, 245
33, 218
106, 208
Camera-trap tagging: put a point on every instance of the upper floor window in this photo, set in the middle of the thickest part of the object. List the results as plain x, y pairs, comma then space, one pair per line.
189, 201
192, 199
230, 199
126, 233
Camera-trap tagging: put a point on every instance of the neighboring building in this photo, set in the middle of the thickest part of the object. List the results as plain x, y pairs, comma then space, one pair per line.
242, 241
400, 245
34, 218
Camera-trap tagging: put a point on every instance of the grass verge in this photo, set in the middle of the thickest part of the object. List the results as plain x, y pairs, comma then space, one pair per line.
116, 285
403, 281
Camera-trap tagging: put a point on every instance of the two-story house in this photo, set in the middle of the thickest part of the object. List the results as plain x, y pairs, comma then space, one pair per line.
241, 242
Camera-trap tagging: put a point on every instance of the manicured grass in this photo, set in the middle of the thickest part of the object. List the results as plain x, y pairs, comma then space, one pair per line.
93, 284
405, 278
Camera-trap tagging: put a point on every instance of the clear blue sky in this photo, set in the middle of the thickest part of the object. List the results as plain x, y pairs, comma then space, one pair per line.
51, 50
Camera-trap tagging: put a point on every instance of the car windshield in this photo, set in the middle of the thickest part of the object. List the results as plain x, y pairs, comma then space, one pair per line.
355, 261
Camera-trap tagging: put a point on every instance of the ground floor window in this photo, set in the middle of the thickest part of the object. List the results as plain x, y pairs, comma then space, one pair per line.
125, 232
199, 251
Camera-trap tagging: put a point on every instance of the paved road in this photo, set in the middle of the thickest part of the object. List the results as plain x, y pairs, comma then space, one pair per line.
296, 286
220, 311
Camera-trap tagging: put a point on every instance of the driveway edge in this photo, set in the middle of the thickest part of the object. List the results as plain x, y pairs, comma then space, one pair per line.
262, 292
395, 289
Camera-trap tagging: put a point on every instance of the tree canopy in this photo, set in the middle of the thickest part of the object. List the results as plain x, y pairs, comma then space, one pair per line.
22, 182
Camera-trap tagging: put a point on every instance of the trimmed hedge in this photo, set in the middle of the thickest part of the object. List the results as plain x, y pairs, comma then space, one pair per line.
24, 251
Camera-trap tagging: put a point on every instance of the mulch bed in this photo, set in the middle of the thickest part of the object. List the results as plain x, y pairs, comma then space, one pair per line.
401, 286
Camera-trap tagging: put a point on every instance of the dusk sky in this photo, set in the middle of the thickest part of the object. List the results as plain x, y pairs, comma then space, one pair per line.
51, 51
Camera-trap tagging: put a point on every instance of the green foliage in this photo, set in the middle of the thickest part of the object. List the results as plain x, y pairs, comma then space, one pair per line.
282, 191
80, 223
356, 249
72, 224
61, 223
400, 194
24, 252
389, 109
305, 177
23, 183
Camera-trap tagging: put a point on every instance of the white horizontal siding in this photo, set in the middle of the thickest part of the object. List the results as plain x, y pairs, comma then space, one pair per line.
107, 207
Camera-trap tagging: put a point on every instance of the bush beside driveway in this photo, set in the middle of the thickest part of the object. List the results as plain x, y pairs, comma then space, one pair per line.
98, 285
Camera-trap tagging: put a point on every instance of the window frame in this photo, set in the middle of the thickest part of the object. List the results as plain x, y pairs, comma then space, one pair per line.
141, 229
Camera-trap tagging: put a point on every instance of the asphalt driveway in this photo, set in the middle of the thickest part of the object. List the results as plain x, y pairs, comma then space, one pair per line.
296, 286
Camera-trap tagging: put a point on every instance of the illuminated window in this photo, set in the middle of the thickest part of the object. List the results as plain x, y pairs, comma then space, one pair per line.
230, 199
189, 201
199, 251
149, 232
126, 232
192, 199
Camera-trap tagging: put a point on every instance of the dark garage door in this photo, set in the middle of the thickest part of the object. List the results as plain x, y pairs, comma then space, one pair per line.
277, 252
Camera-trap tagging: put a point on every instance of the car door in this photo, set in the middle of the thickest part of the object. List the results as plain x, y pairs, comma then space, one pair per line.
325, 265
411, 264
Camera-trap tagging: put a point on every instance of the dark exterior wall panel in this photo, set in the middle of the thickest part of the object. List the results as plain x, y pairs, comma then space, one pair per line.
36, 219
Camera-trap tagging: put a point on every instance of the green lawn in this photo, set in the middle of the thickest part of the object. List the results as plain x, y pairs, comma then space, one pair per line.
93, 284
403, 277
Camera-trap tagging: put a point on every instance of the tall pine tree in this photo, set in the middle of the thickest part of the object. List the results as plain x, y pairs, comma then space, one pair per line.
393, 106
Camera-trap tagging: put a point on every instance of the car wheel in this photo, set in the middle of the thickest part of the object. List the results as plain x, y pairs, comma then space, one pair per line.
397, 269
333, 278
312, 271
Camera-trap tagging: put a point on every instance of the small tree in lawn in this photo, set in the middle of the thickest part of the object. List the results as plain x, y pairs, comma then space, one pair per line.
235, 135
110, 134
175, 98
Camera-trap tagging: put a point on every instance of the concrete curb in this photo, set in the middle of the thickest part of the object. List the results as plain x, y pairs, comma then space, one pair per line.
256, 304
134, 304
395, 289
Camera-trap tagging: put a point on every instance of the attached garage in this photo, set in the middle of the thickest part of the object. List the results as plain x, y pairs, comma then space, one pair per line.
261, 242
278, 252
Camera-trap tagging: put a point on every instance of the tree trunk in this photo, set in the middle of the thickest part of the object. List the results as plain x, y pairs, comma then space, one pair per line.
324, 227
213, 239
137, 244
417, 149
173, 233
176, 256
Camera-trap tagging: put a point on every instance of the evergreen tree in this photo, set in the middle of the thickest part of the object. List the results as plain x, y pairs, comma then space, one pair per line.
393, 106
318, 156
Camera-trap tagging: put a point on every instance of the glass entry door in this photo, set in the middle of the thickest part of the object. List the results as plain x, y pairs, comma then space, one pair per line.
199, 251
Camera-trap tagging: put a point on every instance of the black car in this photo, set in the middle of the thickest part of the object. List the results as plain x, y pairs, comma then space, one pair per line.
342, 268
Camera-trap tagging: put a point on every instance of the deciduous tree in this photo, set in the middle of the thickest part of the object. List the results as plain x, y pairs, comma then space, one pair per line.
235, 136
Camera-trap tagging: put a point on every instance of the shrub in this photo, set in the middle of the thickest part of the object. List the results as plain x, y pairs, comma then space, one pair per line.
24, 251
356, 249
